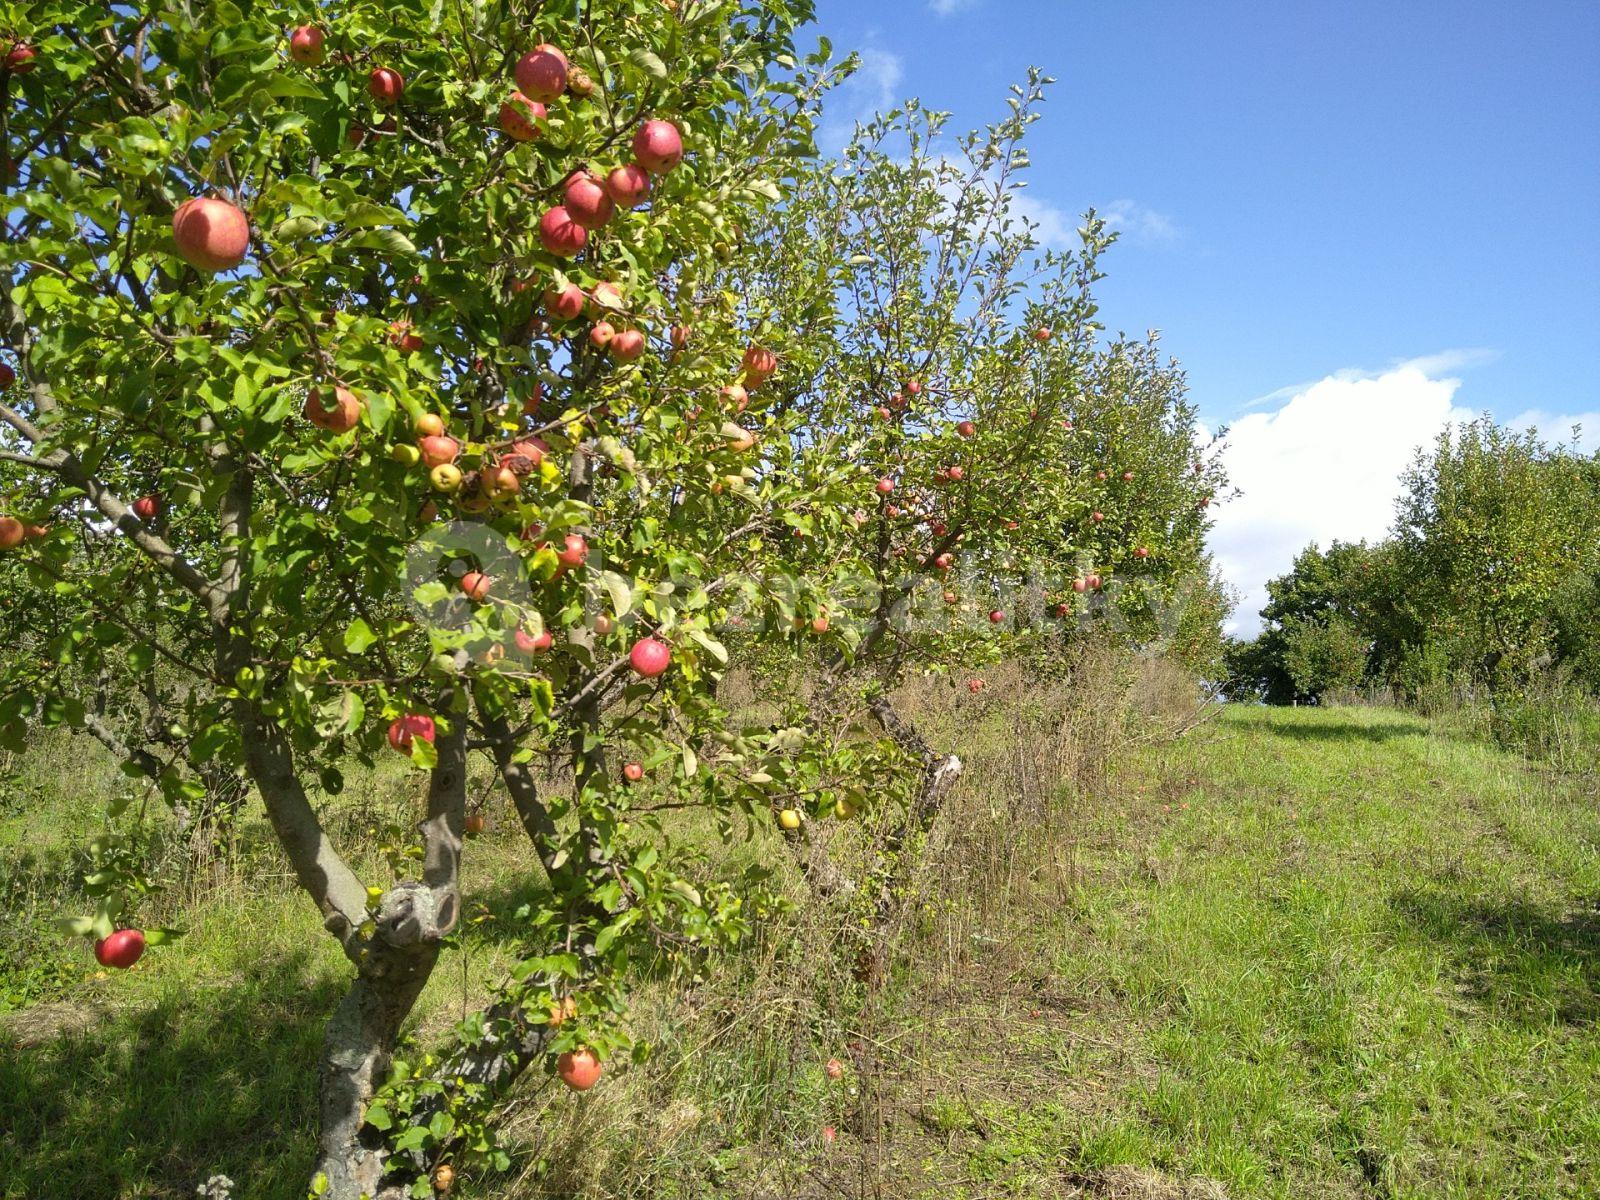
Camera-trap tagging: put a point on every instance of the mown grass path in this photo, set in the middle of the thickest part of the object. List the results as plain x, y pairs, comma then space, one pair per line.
1328, 953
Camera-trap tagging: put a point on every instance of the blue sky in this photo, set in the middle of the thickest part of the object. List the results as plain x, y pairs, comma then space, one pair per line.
1390, 210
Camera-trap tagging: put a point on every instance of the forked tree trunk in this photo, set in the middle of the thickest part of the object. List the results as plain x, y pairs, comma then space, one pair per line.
393, 957
360, 1038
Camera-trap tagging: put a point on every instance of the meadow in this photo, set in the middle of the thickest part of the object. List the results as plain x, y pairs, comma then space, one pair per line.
1150, 951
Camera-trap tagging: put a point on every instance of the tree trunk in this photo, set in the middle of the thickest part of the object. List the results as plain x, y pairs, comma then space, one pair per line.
360, 1041
391, 971
892, 869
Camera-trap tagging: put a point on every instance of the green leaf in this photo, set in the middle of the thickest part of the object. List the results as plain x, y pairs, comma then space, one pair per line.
647, 62
424, 754
358, 636
621, 592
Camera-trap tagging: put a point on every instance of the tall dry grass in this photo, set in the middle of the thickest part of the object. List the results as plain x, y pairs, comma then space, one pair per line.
736, 1099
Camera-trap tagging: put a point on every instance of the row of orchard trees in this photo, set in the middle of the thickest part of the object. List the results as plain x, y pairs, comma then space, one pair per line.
469, 379
1490, 579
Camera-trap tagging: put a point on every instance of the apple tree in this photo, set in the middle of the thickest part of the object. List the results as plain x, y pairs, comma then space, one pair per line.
1011, 470
382, 372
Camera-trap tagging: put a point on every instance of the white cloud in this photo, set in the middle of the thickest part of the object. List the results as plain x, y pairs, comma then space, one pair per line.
944, 8
1556, 429
1139, 223
1055, 228
1325, 464
873, 88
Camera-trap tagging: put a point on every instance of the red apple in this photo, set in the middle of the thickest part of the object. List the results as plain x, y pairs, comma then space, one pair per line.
12, 533
650, 657
574, 550
566, 304
974, 686
475, 586
737, 397
603, 624
633, 772
579, 1069
966, 429
1063, 609
476, 823
429, 425
585, 197
386, 85
913, 387
601, 333
412, 725
532, 449
759, 366
499, 482
560, 235
819, 624
951, 598
1127, 477
305, 45
542, 73
403, 337
1080, 585
996, 617
147, 508
944, 561
628, 186
437, 450
883, 413
121, 949
338, 413
1141, 552
1099, 476
521, 119
1094, 582
1097, 517
658, 146
538, 643
627, 345
885, 486
20, 58
1041, 335
955, 474
211, 234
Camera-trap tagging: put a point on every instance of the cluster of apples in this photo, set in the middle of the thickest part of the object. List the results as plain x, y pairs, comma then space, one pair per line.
569, 302
498, 481
14, 531
588, 202
901, 400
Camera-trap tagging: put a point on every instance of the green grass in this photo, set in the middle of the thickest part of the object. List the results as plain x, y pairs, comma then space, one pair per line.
1331, 953
1337, 953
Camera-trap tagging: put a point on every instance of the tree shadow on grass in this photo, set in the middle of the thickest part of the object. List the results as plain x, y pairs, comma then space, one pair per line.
150, 1102
1349, 731
1524, 962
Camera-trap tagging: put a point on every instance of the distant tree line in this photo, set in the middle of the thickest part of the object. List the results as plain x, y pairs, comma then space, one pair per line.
1489, 579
